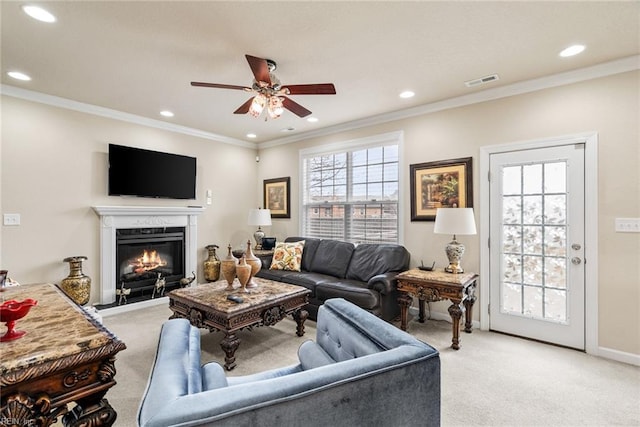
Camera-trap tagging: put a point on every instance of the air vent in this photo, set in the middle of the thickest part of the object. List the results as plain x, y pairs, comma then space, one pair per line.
481, 80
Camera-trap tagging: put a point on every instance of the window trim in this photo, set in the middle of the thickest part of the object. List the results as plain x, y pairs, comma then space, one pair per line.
380, 140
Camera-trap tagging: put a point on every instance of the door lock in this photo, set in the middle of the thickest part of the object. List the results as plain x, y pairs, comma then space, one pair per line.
576, 247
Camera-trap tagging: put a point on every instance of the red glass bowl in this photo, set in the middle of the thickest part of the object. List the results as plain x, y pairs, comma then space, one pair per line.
10, 312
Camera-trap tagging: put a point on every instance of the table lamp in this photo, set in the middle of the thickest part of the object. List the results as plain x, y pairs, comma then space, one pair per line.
454, 221
259, 217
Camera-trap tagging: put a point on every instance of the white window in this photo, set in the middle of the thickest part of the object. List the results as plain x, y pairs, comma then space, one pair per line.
350, 191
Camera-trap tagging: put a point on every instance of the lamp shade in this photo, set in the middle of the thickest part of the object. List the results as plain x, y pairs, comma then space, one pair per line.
259, 217
455, 221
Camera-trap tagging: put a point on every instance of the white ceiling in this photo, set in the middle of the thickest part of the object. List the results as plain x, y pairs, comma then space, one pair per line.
140, 57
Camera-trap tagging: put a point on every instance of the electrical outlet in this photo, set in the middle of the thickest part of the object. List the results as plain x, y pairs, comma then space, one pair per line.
628, 225
11, 219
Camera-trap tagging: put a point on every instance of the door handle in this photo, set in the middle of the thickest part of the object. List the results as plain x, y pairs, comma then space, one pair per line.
576, 260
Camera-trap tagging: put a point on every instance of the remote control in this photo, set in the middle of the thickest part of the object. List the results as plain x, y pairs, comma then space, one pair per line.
235, 299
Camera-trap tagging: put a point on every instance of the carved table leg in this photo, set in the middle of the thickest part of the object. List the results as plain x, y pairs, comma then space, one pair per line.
456, 313
468, 307
229, 345
405, 301
421, 316
84, 414
300, 316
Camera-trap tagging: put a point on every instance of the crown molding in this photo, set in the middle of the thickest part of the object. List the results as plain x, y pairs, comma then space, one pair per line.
618, 66
623, 65
95, 110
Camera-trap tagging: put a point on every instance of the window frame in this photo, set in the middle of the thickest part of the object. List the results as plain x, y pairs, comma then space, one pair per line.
381, 140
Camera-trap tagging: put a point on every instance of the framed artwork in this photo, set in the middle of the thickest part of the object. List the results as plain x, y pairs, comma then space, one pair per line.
442, 184
277, 197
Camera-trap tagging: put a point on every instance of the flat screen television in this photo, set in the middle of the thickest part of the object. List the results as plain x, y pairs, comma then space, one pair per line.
146, 173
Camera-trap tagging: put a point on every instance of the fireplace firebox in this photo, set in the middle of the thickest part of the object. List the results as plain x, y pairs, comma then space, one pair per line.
145, 255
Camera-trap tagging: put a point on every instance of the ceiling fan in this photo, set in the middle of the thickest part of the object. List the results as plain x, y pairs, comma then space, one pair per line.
270, 92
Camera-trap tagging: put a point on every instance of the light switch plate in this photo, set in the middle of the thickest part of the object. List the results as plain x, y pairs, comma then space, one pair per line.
11, 219
628, 225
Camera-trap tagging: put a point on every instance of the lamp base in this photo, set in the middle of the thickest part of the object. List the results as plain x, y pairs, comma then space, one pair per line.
258, 236
454, 252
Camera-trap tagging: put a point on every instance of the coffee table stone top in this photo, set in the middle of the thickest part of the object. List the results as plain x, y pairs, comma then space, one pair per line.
215, 294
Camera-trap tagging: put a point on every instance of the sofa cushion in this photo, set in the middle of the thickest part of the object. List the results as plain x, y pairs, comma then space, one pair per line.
332, 258
213, 376
310, 248
353, 291
311, 355
372, 259
287, 256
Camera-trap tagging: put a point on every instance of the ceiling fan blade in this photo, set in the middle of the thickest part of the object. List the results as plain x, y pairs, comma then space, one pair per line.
259, 68
244, 108
294, 107
219, 86
312, 89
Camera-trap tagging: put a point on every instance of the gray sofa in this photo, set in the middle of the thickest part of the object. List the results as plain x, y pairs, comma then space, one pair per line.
363, 274
360, 371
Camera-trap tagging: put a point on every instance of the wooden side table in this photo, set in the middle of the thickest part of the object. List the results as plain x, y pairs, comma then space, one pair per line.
65, 357
438, 285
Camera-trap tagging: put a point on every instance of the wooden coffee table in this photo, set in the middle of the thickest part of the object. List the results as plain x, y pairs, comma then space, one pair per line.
207, 306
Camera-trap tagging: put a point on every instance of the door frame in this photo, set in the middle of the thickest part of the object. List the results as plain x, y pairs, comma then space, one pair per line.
590, 140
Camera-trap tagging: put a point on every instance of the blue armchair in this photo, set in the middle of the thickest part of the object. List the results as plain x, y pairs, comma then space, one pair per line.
360, 371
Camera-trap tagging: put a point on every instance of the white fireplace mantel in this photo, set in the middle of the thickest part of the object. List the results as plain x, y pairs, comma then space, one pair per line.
113, 218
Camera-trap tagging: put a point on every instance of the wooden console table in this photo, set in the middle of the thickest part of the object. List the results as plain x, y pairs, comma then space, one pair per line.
434, 286
65, 357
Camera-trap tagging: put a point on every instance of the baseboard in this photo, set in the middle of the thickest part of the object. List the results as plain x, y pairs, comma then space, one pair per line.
106, 312
619, 356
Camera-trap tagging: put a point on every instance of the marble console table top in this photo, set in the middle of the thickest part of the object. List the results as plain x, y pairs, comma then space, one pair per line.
59, 334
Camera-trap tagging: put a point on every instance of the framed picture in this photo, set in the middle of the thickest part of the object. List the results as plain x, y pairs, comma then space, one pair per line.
277, 197
442, 184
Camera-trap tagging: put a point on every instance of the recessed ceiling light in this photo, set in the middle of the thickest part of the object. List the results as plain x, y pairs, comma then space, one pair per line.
36, 12
251, 135
19, 76
166, 113
407, 94
312, 119
289, 129
572, 50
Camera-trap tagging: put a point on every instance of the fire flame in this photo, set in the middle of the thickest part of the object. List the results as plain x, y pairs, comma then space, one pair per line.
149, 260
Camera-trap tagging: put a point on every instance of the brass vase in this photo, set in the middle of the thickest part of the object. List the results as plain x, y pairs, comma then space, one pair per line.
228, 268
254, 262
243, 271
212, 264
76, 285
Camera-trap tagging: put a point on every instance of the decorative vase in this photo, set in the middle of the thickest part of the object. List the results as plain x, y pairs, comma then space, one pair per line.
77, 285
254, 262
243, 271
228, 268
212, 264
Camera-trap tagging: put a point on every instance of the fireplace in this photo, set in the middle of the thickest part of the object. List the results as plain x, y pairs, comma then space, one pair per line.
145, 255
127, 231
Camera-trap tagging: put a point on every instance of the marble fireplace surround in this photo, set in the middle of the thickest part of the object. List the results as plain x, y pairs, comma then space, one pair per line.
117, 217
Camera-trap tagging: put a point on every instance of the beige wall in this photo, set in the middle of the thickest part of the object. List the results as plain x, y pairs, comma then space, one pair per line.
54, 169
609, 106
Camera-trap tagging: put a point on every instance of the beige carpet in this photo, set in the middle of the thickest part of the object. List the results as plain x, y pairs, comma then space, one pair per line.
493, 380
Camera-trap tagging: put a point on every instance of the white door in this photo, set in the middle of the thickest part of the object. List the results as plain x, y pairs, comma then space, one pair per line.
536, 267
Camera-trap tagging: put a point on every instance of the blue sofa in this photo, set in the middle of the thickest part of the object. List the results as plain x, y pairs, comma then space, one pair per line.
360, 371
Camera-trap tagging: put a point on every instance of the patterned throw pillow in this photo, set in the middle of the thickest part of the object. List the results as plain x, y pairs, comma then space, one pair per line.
287, 256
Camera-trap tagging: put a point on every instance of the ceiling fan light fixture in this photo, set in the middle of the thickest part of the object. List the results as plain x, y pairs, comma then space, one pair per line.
257, 105
275, 108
